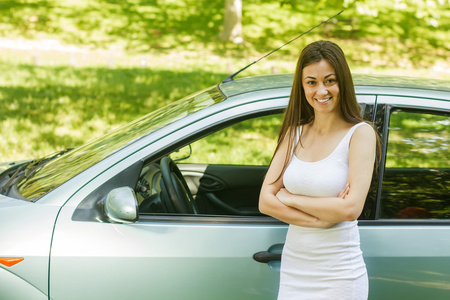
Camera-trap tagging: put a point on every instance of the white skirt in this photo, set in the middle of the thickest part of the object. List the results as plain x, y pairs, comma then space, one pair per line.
323, 264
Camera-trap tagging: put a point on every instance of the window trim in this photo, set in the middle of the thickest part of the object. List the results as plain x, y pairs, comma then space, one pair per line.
208, 219
404, 222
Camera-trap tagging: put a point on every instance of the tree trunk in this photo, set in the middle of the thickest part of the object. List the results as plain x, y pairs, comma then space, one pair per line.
232, 24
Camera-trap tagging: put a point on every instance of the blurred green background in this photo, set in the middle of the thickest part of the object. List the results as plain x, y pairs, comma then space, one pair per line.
72, 70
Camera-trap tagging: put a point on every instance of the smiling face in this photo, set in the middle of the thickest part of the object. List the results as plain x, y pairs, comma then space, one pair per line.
321, 87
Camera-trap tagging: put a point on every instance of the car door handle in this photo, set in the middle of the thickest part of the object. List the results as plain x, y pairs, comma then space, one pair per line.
265, 256
210, 183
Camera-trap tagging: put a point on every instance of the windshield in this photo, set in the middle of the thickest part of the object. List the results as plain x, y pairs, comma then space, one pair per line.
61, 169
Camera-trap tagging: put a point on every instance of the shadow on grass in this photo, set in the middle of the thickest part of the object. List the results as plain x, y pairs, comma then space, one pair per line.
395, 37
65, 107
141, 24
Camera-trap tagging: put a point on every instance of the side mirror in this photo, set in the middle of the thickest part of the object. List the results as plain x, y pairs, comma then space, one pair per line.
121, 205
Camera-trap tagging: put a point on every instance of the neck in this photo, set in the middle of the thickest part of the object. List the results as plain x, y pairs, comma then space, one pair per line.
325, 123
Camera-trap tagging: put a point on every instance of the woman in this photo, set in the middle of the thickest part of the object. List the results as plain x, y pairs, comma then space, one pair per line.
319, 178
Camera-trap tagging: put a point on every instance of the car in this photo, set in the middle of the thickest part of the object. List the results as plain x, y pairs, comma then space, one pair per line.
166, 207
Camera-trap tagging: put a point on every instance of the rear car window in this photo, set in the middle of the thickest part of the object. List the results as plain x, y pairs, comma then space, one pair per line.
417, 173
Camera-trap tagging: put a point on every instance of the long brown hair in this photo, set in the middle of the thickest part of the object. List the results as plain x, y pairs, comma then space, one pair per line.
299, 112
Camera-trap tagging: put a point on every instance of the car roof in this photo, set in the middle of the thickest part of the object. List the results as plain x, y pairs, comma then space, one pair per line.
276, 81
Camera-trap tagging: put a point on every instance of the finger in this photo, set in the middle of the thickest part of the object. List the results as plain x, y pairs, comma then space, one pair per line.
342, 191
345, 191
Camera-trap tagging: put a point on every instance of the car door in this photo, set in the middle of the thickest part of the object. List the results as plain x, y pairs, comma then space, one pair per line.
406, 247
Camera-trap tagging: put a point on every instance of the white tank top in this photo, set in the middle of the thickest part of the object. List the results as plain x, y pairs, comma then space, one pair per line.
322, 263
323, 178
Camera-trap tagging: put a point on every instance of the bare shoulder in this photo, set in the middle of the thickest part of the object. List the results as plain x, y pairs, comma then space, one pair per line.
363, 142
364, 133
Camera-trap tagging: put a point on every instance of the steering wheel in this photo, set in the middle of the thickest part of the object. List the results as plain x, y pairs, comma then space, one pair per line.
175, 193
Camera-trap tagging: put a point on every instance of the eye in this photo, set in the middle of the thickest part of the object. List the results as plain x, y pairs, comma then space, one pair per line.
310, 82
331, 81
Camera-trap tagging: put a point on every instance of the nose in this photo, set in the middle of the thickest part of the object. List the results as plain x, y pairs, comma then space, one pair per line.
322, 90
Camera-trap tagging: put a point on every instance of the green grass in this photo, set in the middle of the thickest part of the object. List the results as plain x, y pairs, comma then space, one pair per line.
51, 108
118, 60
375, 32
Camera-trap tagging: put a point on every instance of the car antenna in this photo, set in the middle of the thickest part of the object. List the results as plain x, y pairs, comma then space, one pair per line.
231, 77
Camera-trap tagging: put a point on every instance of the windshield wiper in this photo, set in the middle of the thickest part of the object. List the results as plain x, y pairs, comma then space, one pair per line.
27, 170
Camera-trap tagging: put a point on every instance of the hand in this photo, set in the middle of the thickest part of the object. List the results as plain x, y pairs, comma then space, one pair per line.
345, 191
284, 196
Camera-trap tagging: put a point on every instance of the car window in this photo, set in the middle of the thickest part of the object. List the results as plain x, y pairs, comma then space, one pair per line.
250, 142
416, 179
223, 171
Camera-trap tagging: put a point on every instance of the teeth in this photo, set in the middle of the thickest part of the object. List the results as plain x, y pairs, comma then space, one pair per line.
324, 100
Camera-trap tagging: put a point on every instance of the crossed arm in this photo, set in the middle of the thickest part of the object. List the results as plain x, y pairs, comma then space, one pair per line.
324, 212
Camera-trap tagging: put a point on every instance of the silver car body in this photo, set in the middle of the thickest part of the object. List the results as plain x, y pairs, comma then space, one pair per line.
202, 256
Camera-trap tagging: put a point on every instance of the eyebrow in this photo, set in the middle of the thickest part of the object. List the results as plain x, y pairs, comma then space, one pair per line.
312, 77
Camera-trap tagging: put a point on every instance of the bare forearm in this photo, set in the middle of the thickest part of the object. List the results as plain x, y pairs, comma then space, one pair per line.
329, 209
273, 207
